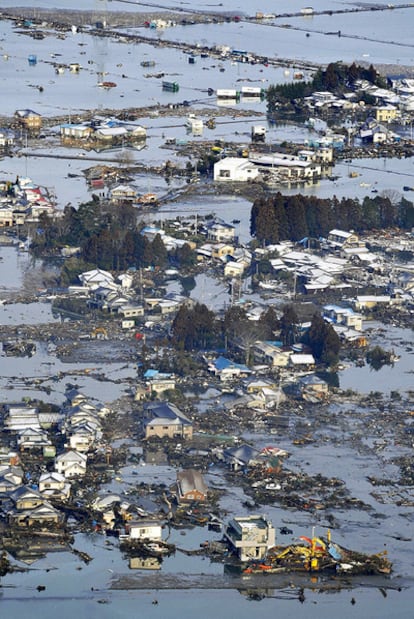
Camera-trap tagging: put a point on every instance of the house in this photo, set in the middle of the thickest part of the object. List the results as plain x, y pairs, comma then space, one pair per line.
221, 251
123, 193
234, 269
32, 438
26, 498
10, 479
43, 515
341, 238
109, 134
257, 385
80, 131
241, 457
227, 369
130, 310
343, 315
82, 436
366, 302
18, 417
312, 385
302, 361
158, 382
386, 113
29, 119
165, 420
7, 137
250, 537
234, 169
271, 354
219, 232
191, 486
144, 529
95, 278
71, 464
54, 485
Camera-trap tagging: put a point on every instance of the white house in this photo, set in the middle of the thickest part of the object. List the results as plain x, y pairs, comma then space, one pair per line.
95, 278
54, 485
234, 169
144, 529
71, 464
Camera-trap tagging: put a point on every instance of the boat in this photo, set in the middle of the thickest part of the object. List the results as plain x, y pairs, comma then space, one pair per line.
107, 85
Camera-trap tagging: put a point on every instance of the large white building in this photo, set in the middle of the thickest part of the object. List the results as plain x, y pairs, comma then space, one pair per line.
235, 169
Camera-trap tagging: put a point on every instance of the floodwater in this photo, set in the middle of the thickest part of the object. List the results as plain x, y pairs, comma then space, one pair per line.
73, 588
87, 588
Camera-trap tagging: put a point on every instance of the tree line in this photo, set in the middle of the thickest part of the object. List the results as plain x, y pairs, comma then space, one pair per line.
198, 328
280, 218
107, 237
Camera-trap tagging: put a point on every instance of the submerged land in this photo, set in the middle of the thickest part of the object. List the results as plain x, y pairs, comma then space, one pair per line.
235, 407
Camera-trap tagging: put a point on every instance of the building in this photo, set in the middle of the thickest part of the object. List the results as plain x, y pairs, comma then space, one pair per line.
144, 529
124, 193
234, 169
158, 382
71, 464
7, 137
343, 316
250, 537
290, 167
165, 420
386, 113
242, 456
341, 238
227, 369
191, 486
79, 131
29, 119
220, 231
271, 354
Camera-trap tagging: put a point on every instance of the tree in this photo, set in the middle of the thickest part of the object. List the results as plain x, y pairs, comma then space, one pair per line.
323, 340
269, 322
377, 357
159, 251
194, 328
288, 325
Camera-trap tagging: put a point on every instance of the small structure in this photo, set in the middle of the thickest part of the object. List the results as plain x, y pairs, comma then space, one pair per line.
194, 125
250, 537
144, 529
258, 133
191, 486
171, 86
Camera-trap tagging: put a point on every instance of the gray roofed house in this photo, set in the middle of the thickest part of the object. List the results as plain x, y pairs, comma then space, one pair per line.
191, 486
242, 456
165, 420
